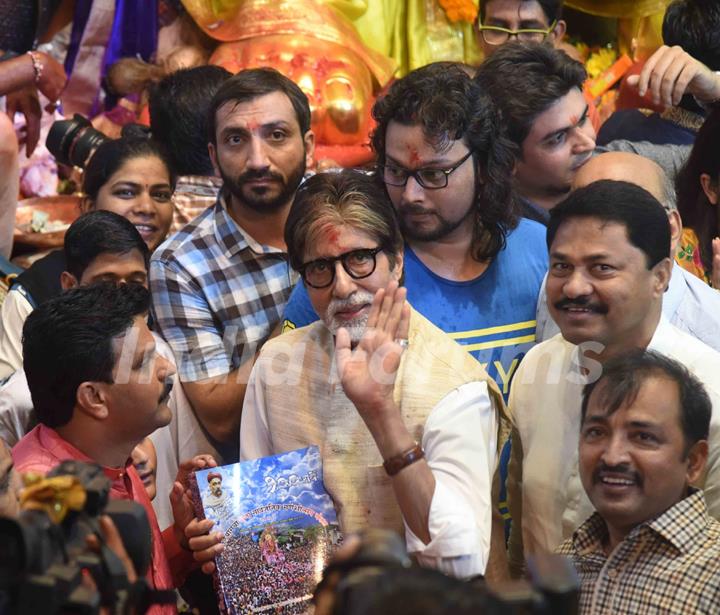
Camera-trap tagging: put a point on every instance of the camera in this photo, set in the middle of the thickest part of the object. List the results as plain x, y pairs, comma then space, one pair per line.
74, 141
380, 578
44, 552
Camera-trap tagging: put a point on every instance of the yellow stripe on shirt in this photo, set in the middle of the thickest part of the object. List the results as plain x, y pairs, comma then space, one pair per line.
461, 335
509, 341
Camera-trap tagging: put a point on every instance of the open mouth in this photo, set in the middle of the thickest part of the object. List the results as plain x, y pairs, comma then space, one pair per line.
146, 230
616, 483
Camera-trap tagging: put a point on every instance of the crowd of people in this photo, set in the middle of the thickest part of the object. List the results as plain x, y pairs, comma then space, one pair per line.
503, 337
251, 583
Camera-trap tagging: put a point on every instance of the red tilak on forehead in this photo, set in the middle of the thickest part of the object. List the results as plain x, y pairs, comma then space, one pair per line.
414, 155
573, 119
330, 233
252, 125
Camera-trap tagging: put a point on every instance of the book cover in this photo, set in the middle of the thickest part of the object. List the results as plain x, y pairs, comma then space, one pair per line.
279, 528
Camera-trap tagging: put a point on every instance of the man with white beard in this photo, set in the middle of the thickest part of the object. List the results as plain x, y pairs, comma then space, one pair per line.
409, 425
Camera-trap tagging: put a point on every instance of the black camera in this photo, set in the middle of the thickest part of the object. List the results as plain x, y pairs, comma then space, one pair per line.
73, 141
42, 561
380, 578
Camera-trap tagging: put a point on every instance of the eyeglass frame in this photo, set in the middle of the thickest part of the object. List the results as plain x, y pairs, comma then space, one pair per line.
332, 260
415, 174
545, 33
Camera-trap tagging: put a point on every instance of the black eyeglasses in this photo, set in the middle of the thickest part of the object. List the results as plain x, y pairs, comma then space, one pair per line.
430, 179
358, 264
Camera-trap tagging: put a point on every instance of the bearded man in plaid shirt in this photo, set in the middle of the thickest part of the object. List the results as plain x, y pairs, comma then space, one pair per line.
220, 285
651, 546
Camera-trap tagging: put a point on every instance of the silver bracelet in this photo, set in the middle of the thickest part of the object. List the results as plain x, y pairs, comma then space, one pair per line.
37, 65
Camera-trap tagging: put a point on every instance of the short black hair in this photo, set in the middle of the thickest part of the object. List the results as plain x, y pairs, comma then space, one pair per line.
623, 376
114, 153
179, 106
448, 105
694, 25
252, 83
68, 340
642, 215
525, 79
551, 8
100, 232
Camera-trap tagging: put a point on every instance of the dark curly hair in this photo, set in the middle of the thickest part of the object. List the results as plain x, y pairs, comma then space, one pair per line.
449, 106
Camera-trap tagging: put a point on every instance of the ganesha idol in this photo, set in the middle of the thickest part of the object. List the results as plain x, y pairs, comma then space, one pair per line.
314, 46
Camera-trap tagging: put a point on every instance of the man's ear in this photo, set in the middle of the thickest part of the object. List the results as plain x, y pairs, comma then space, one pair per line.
68, 280
662, 272
397, 271
675, 230
212, 152
86, 204
710, 189
309, 141
558, 32
697, 458
91, 399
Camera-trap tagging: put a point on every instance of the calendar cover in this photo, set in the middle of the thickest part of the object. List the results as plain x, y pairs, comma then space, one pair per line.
279, 528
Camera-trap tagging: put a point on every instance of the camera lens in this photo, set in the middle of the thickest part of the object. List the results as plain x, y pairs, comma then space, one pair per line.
72, 142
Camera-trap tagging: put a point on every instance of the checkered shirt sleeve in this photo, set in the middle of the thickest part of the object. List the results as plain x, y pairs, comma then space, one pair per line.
216, 296
668, 565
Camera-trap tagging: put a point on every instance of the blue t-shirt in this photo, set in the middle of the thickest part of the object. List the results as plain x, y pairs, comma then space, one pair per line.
493, 316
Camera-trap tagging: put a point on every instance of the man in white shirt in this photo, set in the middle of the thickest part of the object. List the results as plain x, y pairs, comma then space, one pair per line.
689, 304
407, 422
609, 269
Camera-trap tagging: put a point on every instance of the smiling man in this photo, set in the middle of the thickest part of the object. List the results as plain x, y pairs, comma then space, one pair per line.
220, 285
407, 422
609, 245
651, 546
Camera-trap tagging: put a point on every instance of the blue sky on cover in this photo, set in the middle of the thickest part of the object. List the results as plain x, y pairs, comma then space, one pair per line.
246, 481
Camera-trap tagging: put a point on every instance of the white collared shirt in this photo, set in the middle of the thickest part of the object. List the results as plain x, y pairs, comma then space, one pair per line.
689, 304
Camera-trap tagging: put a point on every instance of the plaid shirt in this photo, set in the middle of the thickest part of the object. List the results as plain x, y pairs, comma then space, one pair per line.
193, 195
217, 293
668, 565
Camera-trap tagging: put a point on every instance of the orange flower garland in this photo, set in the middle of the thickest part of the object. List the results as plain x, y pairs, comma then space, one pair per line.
460, 10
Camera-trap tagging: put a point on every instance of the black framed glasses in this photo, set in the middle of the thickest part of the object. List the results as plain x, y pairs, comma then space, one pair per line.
495, 35
430, 179
358, 264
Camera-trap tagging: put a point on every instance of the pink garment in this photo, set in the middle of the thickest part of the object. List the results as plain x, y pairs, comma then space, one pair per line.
43, 448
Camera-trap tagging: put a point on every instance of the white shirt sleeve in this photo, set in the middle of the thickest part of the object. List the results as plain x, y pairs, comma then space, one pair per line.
17, 416
13, 313
460, 443
255, 441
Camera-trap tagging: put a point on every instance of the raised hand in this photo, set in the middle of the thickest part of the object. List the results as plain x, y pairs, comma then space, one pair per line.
367, 372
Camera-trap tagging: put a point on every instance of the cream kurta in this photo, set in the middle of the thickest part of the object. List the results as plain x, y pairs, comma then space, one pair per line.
295, 399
